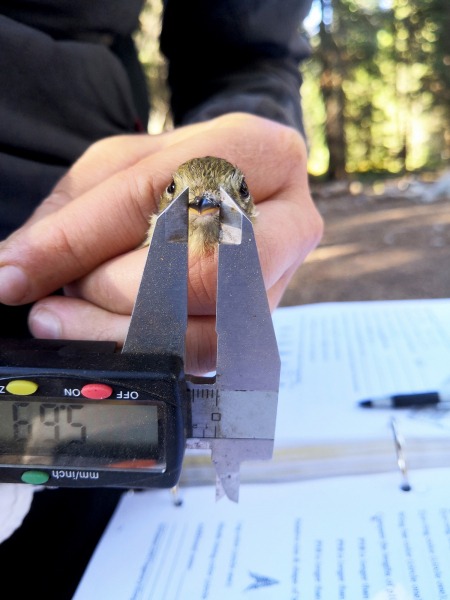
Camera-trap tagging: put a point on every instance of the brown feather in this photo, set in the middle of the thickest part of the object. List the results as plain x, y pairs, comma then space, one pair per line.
204, 177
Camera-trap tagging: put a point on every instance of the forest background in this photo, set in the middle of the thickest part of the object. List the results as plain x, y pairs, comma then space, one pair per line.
376, 91
376, 100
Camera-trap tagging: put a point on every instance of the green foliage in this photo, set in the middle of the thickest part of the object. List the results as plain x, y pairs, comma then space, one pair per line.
376, 93
392, 66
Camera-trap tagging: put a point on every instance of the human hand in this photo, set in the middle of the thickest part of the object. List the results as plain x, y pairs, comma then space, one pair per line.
84, 235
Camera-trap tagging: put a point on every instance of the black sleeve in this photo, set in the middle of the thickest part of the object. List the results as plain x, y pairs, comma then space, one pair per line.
59, 94
230, 55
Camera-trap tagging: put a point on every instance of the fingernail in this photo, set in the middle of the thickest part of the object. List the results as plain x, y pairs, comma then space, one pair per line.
45, 324
13, 285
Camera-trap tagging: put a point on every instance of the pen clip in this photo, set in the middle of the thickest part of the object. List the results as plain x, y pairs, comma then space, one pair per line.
399, 443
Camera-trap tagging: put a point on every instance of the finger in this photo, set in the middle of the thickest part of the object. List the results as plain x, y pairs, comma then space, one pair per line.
287, 229
101, 160
275, 293
106, 158
285, 233
110, 219
58, 317
115, 284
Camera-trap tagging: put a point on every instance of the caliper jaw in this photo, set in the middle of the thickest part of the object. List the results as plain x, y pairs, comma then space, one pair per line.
236, 427
159, 319
235, 416
234, 413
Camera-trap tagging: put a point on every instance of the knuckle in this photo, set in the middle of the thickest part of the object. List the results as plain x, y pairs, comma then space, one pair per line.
141, 189
59, 197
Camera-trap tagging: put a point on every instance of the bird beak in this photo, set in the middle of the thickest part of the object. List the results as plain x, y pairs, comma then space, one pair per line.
204, 204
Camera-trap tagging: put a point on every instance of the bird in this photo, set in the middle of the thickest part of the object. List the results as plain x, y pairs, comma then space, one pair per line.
204, 176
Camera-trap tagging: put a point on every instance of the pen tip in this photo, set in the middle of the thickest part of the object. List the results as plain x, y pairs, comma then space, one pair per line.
366, 403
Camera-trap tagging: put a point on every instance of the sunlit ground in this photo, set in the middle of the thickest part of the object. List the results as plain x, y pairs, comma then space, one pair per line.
375, 249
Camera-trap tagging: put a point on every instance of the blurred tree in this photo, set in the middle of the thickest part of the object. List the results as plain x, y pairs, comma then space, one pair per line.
147, 43
435, 39
346, 40
376, 92
384, 84
331, 78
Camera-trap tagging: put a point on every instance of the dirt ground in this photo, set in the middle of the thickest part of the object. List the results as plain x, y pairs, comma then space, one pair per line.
376, 246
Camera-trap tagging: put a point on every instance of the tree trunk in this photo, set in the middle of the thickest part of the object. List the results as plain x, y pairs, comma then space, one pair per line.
334, 100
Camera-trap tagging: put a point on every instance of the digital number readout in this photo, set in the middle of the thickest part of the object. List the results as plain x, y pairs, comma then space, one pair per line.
51, 426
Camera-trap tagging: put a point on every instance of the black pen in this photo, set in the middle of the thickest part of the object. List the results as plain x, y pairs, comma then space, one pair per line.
412, 400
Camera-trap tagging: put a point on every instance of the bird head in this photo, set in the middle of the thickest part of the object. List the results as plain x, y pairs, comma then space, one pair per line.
205, 177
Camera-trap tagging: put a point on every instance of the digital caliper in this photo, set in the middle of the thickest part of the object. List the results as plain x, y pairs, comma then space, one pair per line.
82, 413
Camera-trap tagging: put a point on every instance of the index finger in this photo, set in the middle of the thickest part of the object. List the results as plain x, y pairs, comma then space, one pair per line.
102, 160
107, 220
99, 162
67, 244
112, 217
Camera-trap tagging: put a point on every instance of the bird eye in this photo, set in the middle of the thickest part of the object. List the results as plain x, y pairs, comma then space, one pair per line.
171, 187
243, 190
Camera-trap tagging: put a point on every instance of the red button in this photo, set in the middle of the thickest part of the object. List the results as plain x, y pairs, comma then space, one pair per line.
96, 391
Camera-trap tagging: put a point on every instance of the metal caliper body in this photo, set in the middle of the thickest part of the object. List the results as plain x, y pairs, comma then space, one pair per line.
234, 413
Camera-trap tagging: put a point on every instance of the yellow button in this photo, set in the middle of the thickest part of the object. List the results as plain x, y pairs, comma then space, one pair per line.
21, 387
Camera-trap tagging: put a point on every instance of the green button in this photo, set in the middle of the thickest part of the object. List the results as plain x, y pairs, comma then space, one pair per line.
21, 387
35, 477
